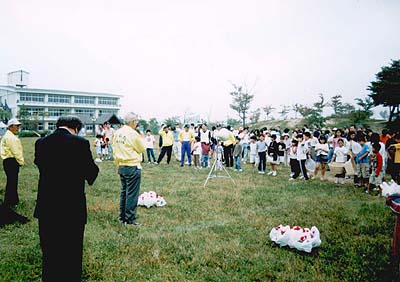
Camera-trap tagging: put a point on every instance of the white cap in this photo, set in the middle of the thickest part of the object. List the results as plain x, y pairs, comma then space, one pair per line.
13, 121
130, 117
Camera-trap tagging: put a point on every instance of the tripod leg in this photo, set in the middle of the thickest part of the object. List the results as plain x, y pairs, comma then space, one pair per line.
229, 176
209, 174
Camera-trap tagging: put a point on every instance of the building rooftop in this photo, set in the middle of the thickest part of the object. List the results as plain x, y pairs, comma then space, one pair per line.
55, 91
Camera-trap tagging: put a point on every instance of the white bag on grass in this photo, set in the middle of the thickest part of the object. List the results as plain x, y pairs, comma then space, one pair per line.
303, 239
149, 199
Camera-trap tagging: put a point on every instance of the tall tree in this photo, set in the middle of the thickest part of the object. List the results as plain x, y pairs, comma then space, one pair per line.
313, 115
366, 105
336, 104
171, 121
242, 98
386, 89
154, 126
268, 109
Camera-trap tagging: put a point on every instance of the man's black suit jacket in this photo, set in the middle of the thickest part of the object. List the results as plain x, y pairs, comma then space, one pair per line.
65, 162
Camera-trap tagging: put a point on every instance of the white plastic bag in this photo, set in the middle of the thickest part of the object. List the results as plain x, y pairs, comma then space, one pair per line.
390, 189
149, 199
303, 239
310, 165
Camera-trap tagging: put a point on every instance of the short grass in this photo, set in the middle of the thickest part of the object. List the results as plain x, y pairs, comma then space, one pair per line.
217, 233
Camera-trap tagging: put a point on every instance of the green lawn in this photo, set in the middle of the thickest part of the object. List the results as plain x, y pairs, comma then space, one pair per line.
217, 233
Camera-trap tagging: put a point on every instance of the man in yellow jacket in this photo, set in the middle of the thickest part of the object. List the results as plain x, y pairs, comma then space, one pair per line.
13, 157
128, 149
168, 141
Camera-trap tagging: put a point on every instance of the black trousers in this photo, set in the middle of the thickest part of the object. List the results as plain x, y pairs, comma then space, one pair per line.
295, 167
228, 155
165, 149
262, 161
11, 168
62, 245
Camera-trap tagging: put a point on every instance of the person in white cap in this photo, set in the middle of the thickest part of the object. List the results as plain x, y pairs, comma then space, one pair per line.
13, 157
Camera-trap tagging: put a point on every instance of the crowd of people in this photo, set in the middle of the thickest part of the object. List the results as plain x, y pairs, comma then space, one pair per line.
373, 156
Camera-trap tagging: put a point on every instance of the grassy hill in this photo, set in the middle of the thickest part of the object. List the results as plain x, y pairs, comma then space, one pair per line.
215, 233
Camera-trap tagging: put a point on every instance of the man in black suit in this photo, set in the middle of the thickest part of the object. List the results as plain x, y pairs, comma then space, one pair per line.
65, 162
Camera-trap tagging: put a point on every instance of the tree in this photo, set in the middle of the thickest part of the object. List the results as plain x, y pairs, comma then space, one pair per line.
255, 115
386, 89
336, 104
296, 109
268, 109
284, 111
313, 114
154, 126
242, 98
4, 115
366, 105
24, 116
143, 125
171, 121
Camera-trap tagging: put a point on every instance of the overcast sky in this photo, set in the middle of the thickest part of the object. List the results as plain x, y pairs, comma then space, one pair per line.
175, 56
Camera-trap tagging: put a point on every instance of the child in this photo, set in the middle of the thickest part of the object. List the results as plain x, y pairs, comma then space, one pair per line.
98, 142
362, 162
262, 154
237, 154
253, 150
294, 164
219, 153
104, 149
282, 151
196, 150
205, 151
340, 156
273, 154
321, 151
394, 157
302, 152
376, 162
149, 141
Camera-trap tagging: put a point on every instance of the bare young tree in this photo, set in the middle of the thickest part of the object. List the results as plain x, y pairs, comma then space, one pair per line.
242, 97
268, 109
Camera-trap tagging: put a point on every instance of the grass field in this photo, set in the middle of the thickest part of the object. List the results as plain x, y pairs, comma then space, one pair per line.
217, 233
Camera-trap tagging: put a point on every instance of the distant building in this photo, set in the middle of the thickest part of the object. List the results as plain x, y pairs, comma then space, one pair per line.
46, 105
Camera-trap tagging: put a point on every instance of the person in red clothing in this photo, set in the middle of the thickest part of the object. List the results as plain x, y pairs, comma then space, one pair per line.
384, 137
376, 164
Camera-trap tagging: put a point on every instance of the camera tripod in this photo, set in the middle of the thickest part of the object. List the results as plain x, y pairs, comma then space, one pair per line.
216, 167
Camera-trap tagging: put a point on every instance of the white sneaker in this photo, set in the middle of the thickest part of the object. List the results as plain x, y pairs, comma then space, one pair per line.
336, 180
97, 160
263, 172
260, 172
270, 172
291, 179
274, 173
321, 178
240, 169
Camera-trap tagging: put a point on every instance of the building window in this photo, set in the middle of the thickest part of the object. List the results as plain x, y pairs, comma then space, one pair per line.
31, 97
108, 101
40, 126
56, 112
59, 99
89, 112
86, 100
107, 112
34, 111
51, 126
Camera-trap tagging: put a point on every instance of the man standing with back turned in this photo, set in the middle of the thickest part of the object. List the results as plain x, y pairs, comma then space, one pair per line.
128, 149
65, 162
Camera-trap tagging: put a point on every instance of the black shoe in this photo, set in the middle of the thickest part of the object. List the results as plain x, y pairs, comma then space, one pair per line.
181, 165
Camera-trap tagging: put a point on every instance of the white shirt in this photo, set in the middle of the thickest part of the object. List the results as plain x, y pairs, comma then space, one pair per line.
341, 154
149, 141
253, 148
324, 146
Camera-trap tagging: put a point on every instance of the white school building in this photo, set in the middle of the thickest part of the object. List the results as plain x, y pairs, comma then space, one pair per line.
46, 105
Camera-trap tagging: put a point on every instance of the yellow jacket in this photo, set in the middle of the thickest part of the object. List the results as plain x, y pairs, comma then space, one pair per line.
11, 147
188, 134
128, 147
231, 140
167, 138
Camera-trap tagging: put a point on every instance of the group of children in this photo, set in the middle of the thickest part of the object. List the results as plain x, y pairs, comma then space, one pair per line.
365, 153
